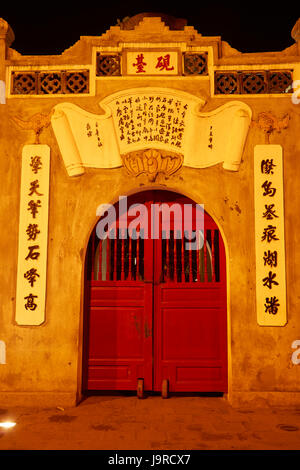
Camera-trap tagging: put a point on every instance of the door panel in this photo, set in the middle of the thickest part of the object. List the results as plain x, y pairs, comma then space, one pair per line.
190, 311
157, 309
191, 339
119, 351
119, 309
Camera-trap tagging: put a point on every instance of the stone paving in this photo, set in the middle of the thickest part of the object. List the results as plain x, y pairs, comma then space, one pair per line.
124, 422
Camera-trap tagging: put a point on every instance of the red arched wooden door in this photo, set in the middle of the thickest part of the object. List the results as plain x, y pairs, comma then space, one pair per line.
156, 309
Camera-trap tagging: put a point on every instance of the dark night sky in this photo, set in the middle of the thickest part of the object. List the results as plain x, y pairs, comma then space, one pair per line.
249, 26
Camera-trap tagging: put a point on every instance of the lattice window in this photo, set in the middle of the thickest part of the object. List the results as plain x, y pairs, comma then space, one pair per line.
50, 83
108, 65
280, 81
226, 83
77, 82
253, 82
195, 64
24, 83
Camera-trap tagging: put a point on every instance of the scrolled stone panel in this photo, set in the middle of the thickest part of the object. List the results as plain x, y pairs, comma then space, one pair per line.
155, 122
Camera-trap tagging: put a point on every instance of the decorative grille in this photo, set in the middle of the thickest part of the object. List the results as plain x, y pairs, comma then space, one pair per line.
253, 82
107, 65
50, 83
280, 81
116, 258
180, 264
77, 82
195, 64
24, 83
226, 83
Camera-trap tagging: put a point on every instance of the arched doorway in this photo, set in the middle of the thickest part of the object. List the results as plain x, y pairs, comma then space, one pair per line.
155, 301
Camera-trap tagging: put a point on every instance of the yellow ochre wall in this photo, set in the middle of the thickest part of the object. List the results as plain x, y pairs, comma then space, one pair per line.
43, 363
